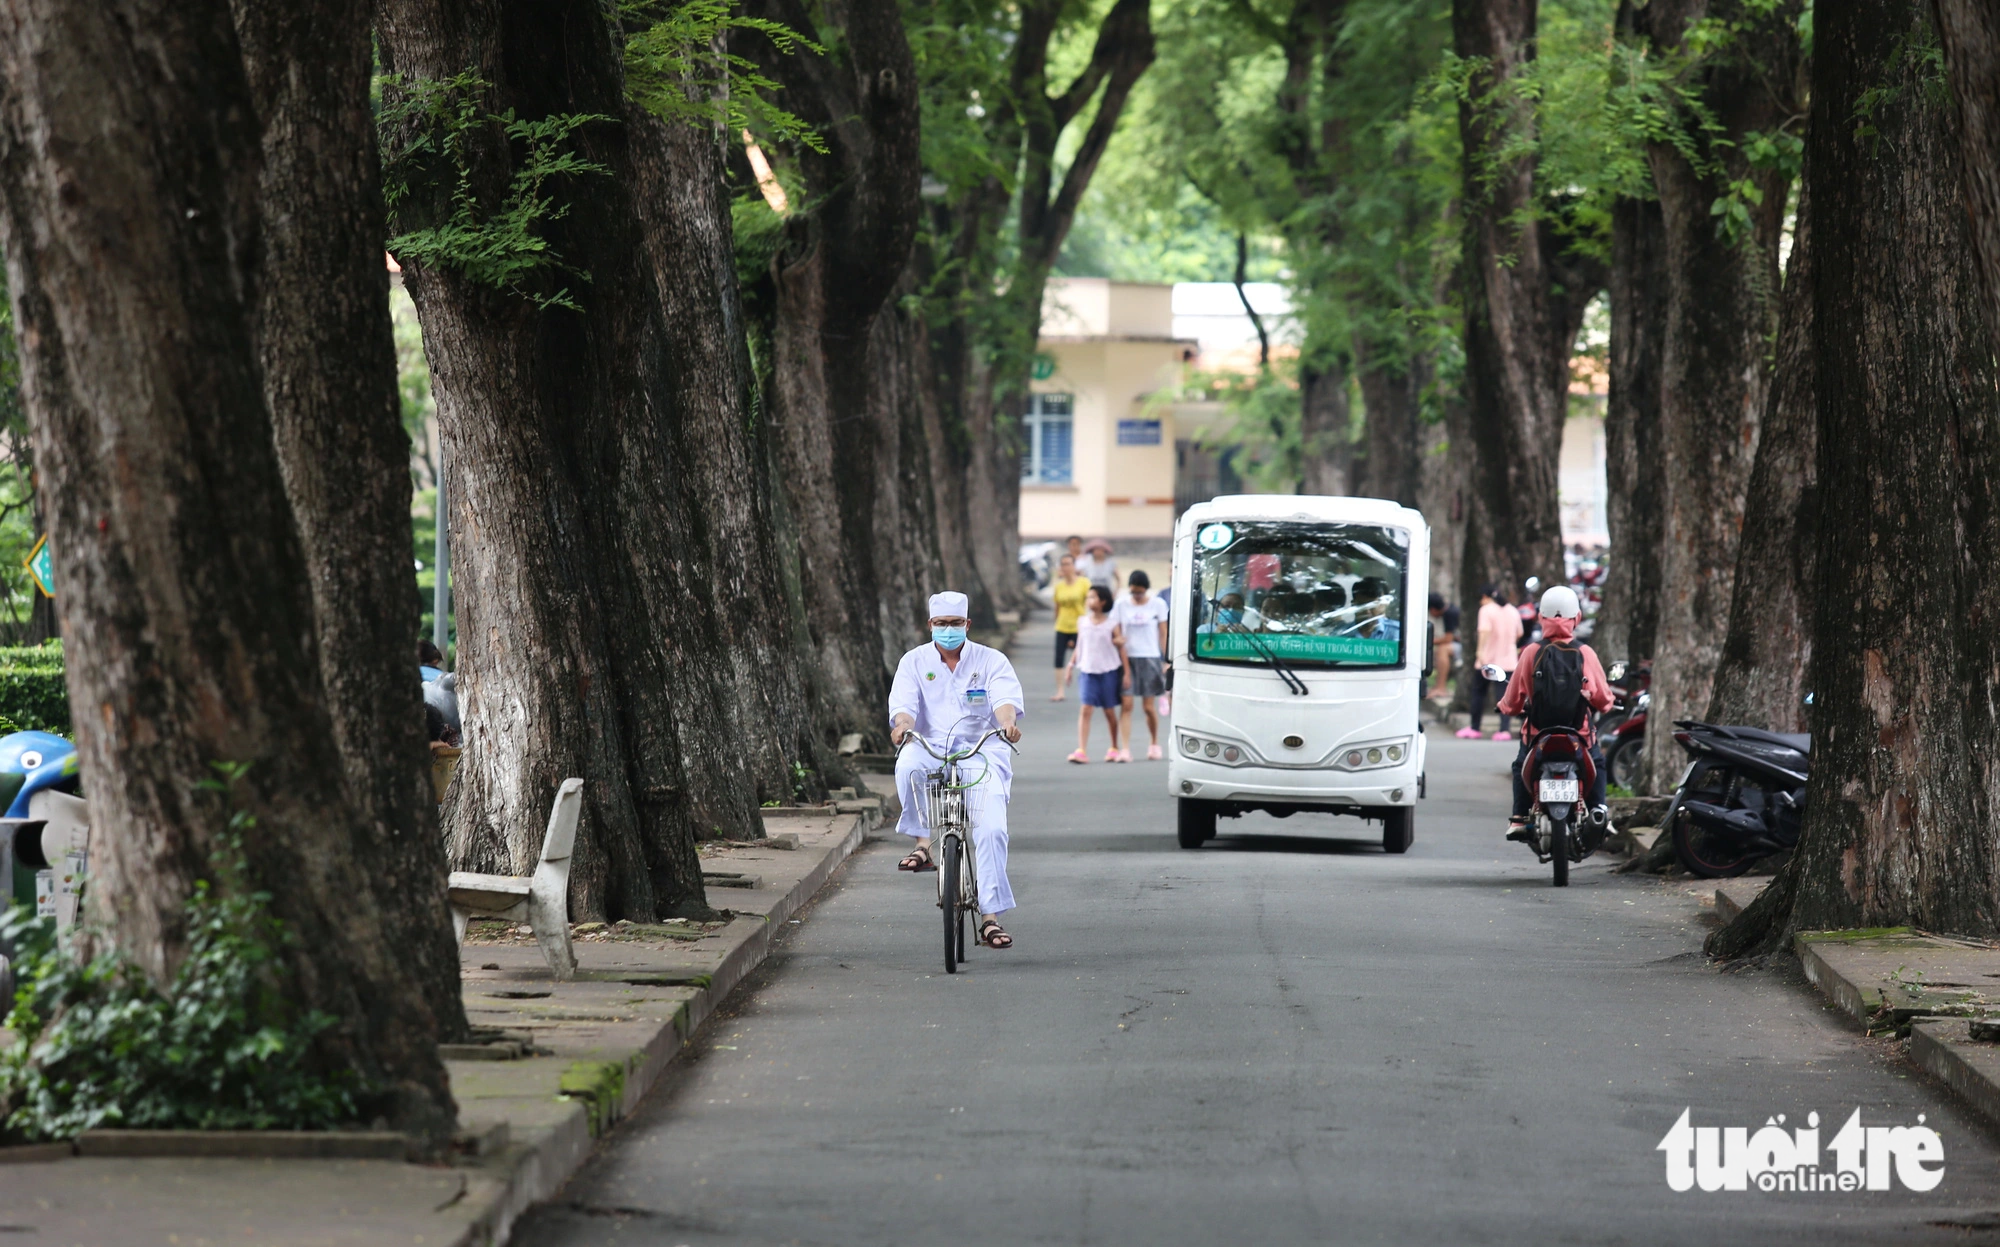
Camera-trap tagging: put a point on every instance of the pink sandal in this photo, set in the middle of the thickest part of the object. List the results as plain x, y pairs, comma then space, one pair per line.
1079, 757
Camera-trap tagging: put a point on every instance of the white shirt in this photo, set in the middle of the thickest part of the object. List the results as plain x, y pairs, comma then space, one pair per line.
1099, 571
1141, 621
955, 707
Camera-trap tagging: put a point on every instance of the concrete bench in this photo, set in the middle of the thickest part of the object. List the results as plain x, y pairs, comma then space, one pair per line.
541, 899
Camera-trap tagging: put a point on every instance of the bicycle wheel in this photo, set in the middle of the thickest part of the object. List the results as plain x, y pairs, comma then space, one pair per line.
1559, 849
948, 900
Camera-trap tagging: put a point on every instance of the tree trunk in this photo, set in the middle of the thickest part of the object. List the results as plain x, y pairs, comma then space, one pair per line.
1392, 403
329, 360
1900, 811
129, 170
1721, 311
588, 641
1326, 442
910, 536
776, 711
1516, 355
841, 261
1442, 489
1631, 611
1970, 33
1761, 678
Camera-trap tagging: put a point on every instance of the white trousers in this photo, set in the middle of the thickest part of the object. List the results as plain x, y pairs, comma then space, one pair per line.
985, 802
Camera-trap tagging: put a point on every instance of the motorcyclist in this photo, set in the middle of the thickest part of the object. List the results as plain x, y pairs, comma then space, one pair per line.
1560, 611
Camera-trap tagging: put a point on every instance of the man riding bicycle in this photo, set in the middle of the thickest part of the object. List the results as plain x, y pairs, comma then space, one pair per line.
950, 692
1557, 683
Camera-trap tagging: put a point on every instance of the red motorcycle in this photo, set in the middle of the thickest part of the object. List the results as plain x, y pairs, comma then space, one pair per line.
1627, 744
1559, 774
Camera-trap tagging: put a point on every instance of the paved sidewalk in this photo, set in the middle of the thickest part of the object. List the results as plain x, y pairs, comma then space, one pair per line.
566, 1061
1941, 992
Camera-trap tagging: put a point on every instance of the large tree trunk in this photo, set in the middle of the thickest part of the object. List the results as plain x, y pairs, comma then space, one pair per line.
1899, 821
911, 539
1326, 441
1721, 311
1970, 33
841, 261
1517, 304
329, 360
776, 709
1761, 678
1392, 404
1631, 611
129, 170
588, 641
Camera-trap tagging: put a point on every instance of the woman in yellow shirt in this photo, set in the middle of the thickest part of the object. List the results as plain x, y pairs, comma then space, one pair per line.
1071, 591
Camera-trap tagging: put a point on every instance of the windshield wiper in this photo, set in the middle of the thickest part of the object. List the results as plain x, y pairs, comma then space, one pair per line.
1290, 677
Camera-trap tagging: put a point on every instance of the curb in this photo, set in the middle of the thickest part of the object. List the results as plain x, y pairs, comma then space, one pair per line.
536, 1167
1945, 1051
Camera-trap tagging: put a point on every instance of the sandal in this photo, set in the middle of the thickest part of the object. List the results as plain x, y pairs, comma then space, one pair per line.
992, 936
919, 860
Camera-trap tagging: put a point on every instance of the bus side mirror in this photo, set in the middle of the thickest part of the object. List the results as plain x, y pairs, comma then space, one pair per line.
1430, 647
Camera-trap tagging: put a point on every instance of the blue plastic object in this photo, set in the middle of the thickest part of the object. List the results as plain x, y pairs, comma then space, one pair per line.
431, 674
41, 759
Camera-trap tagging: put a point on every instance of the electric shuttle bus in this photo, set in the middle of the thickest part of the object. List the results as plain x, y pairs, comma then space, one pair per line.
1300, 644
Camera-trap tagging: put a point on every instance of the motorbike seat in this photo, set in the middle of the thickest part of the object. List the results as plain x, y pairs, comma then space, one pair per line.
1800, 741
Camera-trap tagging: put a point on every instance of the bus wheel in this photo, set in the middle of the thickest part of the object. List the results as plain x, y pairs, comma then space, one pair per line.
1197, 822
1399, 828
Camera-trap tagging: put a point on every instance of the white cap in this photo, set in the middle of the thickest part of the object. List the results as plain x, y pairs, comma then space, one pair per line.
949, 605
1560, 603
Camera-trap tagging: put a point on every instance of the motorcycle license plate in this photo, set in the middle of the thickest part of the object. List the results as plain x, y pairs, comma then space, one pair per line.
1557, 791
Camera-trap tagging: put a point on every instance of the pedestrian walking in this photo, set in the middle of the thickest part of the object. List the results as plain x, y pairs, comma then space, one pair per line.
1097, 565
1099, 660
1143, 618
1071, 591
1499, 634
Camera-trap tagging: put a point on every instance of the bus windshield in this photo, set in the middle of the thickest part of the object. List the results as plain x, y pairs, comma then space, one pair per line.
1305, 594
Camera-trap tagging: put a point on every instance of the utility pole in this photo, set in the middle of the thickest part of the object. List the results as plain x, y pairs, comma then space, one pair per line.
441, 601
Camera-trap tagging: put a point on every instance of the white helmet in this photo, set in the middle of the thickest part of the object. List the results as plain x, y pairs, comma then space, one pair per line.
1560, 603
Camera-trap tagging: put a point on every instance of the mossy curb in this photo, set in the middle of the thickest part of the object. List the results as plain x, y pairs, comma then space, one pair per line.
600, 1084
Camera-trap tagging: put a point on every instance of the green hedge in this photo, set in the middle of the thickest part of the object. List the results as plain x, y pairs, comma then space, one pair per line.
32, 692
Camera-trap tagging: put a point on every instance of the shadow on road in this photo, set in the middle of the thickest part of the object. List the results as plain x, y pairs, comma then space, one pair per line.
1260, 842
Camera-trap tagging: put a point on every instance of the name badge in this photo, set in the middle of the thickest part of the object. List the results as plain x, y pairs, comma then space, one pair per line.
976, 698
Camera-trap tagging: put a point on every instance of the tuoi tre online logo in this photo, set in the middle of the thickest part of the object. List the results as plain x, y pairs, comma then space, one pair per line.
1857, 1157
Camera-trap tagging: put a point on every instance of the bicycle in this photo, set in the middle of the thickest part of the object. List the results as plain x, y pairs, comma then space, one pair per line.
946, 814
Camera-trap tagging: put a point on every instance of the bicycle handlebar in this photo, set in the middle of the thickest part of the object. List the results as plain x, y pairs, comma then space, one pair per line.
948, 755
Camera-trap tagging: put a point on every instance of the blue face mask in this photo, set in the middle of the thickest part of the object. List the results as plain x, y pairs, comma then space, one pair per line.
1228, 617
948, 638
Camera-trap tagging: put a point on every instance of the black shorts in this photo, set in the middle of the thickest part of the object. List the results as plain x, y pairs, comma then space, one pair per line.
1065, 641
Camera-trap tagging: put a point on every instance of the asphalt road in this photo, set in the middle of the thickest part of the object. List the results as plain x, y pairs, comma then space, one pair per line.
1285, 1037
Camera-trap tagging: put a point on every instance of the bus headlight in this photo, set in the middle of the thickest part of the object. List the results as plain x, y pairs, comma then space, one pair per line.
1366, 757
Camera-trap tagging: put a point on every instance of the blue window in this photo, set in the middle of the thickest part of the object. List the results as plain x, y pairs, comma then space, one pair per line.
1045, 450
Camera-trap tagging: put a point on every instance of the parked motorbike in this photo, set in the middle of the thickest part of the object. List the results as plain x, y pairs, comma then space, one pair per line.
1038, 563
1743, 796
1625, 744
1629, 680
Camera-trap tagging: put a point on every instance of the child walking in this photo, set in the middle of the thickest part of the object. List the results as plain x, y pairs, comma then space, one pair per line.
1100, 664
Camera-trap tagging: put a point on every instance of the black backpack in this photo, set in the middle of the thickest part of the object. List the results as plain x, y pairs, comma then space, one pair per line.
1556, 699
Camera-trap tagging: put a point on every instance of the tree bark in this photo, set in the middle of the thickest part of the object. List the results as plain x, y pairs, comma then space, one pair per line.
1721, 312
1626, 624
589, 643
1392, 402
1326, 417
129, 153
841, 260
1521, 307
1761, 678
776, 713
1970, 33
1900, 813
329, 361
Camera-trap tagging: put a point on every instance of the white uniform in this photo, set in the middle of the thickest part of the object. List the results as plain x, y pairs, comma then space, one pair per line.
954, 708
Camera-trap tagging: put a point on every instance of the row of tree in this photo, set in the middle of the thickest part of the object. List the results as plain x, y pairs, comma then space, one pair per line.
1775, 207
702, 458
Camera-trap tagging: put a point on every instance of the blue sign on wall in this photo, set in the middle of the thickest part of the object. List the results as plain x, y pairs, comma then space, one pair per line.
1138, 432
